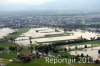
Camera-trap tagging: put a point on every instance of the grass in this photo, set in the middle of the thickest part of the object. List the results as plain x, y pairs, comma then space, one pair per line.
86, 64
5, 61
90, 23
8, 56
6, 45
37, 61
91, 42
95, 43
64, 54
18, 33
42, 62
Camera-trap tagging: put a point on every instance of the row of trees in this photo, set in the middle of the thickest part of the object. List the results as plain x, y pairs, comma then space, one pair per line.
75, 41
46, 48
69, 42
12, 48
7, 40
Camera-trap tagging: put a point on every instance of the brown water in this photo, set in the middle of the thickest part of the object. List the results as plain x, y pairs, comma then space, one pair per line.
5, 32
92, 52
49, 31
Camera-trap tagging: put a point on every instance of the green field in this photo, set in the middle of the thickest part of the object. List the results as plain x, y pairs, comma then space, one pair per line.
42, 62
8, 56
18, 33
95, 42
91, 42
90, 23
6, 45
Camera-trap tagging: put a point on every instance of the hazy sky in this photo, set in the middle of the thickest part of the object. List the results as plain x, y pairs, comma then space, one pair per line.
24, 2
48, 4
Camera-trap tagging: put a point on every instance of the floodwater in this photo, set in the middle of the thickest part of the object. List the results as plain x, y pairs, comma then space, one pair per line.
49, 31
5, 32
92, 52
78, 46
24, 39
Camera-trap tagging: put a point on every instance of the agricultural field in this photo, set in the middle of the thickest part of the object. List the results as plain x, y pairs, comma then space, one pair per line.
91, 23
37, 61
17, 33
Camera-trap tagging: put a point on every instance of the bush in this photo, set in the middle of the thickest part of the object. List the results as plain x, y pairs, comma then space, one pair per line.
13, 48
99, 51
1, 48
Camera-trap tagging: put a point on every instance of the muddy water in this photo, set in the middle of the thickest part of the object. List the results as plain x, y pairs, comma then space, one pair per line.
5, 32
92, 52
48, 31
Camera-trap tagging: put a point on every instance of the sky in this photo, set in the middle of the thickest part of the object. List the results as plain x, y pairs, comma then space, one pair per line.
49, 5
24, 2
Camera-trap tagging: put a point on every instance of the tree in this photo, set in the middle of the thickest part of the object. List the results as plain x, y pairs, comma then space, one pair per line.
1, 48
30, 42
13, 48
99, 51
76, 47
85, 46
82, 55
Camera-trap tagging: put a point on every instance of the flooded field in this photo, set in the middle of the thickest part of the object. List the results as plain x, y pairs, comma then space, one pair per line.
92, 52
49, 35
5, 32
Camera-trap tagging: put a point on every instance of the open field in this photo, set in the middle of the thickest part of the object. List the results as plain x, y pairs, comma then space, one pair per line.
18, 33
4, 61
42, 62
8, 56
8, 44
90, 23
95, 42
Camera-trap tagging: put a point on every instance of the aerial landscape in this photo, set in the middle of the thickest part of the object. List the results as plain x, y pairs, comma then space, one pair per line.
49, 33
